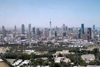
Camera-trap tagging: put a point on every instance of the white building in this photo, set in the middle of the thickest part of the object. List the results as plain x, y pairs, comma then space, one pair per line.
88, 57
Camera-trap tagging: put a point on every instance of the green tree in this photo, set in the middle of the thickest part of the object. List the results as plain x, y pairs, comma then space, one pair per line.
25, 56
57, 65
95, 51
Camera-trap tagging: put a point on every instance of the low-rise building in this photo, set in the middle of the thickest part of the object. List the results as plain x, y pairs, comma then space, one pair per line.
61, 59
88, 57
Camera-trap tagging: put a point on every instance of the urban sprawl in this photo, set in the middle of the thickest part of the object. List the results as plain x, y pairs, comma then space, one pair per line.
50, 47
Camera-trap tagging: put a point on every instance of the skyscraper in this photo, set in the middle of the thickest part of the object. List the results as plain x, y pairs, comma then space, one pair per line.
38, 33
3, 28
64, 28
29, 28
93, 27
33, 33
33, 30
89, 33
50, 34
46, 32
4, 31
82, 28
29, 31
55, 33
15, 29
79, 35
23, 29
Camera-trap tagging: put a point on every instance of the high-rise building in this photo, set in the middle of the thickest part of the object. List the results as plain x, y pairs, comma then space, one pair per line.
29, 31
82, 28
23, 29
50, 34
89, 34
79, 34
15, 29
46, 32
33, 30
3, 28
55, 33
38, 33
33, 33
29, 28
64, 28
4, 31
93, 27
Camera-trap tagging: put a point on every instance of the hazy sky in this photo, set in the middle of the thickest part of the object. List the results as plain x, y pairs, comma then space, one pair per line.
38, 12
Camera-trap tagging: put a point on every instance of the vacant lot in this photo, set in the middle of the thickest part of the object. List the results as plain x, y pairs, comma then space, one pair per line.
2, 64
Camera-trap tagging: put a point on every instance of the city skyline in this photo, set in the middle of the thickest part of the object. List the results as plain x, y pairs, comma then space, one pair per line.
38, 13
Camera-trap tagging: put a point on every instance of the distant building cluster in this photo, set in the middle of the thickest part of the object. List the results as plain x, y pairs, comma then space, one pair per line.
34, 34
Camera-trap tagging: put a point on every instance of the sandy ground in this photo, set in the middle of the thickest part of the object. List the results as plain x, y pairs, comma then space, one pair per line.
2, 64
